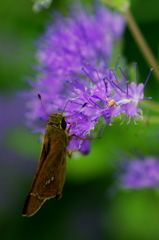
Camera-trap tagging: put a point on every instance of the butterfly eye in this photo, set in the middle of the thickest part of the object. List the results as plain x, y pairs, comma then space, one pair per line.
63, 124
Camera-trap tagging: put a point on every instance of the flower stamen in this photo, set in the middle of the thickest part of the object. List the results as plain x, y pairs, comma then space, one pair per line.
111, 103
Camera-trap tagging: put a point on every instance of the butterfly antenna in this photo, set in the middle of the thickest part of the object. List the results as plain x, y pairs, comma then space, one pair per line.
39, 96
66, 106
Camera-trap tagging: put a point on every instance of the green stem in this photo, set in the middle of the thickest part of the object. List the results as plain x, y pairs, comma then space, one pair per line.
143, 46
142, 43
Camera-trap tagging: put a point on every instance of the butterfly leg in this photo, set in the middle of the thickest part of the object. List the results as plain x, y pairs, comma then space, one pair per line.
74, 135
58, 196
69, 152
68, 129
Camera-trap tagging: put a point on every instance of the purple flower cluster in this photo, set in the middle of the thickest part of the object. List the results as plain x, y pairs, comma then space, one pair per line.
74, 56
141, 174
71, 43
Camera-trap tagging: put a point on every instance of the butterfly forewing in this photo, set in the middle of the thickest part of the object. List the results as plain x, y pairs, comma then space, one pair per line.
32, 205
50, 174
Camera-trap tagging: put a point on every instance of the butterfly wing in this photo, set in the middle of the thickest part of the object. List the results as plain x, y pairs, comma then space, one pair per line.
50, 174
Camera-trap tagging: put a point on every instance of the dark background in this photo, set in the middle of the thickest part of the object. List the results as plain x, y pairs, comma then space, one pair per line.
91, 207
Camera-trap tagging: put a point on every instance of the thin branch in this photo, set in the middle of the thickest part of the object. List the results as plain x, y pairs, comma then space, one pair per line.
143, 46
142, 43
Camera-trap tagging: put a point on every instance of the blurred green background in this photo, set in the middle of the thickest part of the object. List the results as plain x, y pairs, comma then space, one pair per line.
91, 208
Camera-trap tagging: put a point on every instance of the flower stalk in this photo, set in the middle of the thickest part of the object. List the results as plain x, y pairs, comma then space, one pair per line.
138, 36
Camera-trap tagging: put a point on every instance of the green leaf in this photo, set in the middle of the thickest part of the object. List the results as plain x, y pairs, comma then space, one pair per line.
120, 5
